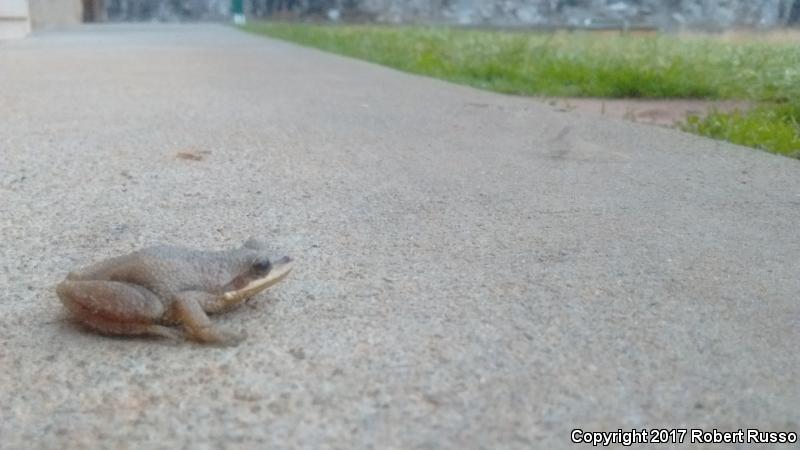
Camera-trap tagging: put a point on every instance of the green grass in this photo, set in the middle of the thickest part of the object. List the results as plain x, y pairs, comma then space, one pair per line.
774, 128
584, 64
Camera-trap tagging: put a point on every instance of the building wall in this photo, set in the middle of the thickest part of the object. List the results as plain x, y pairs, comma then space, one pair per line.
54, 13
14, 19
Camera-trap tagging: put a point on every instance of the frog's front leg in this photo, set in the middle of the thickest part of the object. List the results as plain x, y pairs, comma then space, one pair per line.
114, 307
188, 308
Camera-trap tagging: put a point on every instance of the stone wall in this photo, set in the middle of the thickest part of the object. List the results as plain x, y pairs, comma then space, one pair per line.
167, 10
660, 13
591, 13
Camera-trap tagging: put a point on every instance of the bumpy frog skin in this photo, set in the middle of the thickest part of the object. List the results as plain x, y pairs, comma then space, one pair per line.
147, 291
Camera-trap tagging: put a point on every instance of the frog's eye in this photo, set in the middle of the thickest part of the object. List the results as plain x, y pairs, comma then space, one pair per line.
262, 265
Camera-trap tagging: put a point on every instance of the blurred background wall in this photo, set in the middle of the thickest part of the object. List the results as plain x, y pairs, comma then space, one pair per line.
55, 13
18, 17
659, 13
14, 19
167, 10
665, 14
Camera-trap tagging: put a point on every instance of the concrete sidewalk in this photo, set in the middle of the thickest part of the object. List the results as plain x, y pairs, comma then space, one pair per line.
474, 270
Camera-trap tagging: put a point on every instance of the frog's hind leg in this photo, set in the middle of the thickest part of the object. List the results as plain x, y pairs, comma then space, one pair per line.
114, 307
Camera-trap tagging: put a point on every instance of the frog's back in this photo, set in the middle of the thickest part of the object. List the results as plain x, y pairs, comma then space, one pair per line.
172, 269
162, 269
166, 269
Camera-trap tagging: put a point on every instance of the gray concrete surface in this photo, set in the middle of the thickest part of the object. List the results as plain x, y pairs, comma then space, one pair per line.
474, 270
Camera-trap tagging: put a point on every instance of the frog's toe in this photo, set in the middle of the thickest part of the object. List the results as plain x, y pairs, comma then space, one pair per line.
216, 337
229, 339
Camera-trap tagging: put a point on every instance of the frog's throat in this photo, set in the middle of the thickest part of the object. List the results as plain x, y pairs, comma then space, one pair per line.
278, 273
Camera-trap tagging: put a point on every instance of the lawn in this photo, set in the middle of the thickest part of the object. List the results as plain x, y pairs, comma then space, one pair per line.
591, 65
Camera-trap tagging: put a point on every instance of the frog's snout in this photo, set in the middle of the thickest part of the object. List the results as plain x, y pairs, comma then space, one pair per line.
284, 260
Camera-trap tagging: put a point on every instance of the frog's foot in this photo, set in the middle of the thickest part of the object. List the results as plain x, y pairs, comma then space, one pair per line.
114, 307
187, 310
225, 339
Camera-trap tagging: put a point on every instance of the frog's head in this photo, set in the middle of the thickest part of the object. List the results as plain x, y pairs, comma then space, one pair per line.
257, 273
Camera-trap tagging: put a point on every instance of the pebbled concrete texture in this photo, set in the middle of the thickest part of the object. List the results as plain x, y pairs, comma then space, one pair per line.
473, 270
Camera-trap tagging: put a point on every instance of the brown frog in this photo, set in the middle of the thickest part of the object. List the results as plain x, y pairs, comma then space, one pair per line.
147, 291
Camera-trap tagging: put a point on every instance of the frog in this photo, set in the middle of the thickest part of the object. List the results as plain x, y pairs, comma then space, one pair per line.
160, 289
